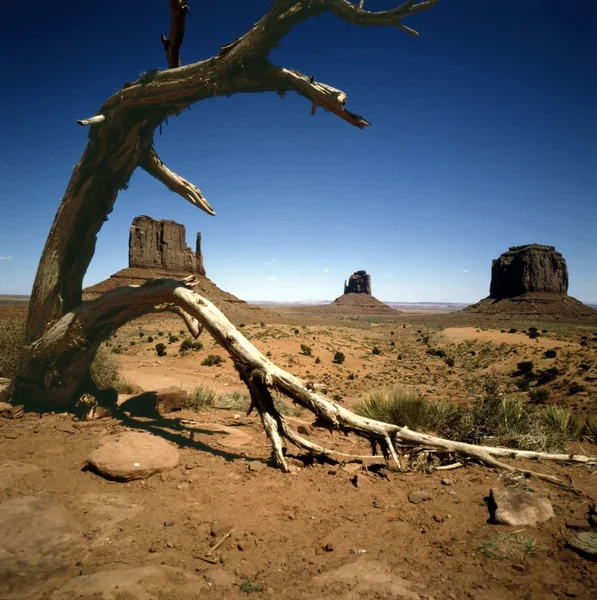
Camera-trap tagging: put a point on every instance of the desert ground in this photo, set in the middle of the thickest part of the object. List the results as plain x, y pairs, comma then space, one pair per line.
346, 529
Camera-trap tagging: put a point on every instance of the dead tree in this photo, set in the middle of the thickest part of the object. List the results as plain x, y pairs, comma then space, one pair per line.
63, 332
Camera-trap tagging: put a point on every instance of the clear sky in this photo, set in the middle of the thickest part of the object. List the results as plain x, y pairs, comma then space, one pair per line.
484, 136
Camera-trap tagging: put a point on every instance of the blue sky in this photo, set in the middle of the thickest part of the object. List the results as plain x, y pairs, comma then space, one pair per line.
484, 136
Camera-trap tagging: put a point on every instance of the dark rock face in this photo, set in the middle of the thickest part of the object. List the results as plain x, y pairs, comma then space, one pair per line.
527, 269
162, 245
358, 283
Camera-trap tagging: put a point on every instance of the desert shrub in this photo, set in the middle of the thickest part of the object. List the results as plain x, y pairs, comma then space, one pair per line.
241, 325
150, 338
12, 335
534, 335
296, 332
351, 376
450, 362
392, 343
375, 350
160, 333
336, 397
172, 339
522, 383
268, 354
539, 396
550, 354
105, 372
117, 349
399, 357
524, 367
161, 349
201, 398
589, 429
211, 360
561, 420
533, 330
513, 330
317, 360
190, 344
338, 358
546, 375
436, 352
306, 350
582, 367
575, 388
234, 401
425, 339
141, 334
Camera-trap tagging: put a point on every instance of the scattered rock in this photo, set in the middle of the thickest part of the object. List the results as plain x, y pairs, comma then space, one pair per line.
39, 540
257, 466
446, 481
11, 436
220, 578
12, 471
156, 403
352, 467
66, 428
377, 503
419, 496
169, 523
578, 524
358, 480
567, 555
305, 429
585, 544
518, 508
329, 547
8, 411
144, 583
133, 455
218, 529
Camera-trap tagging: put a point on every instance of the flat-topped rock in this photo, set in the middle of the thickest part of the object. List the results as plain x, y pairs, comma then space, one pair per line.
358, 283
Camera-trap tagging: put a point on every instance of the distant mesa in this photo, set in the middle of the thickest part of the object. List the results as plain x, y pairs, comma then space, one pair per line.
158, 248
358, 283
357, 297
162, 245
531, 279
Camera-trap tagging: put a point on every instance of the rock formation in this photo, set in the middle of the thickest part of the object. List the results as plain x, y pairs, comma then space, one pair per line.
162, 245
358, 283
531, 280
529, 268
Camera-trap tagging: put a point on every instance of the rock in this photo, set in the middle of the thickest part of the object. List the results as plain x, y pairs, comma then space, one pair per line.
220, 578
419, 496
578, 525
12, 471
162, 245
157, 402
39, 540
218, 529
358, 283
585, 544
518, 508
593, 521
133, 455
305, 429
8, 411
144, 583
529, 268
446, 481
257, 466
352, 467
66, 428
329, 547
567, 555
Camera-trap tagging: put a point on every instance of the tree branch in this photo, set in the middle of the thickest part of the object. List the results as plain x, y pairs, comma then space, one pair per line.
151, 163
178, 13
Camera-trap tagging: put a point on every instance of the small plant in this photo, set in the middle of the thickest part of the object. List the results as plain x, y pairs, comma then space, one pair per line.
248, 587
513, 330
296, 332
575, 388
589, 429
392, 343
338, 358
241, 325
262, 324
306, 350
211, 360
181, 332
172, 339
450, 362
268, 354
351, 376
317, 360
524, 367
337, 397
534, 335
161, 349
547, 375
141, 334
160, 333
201, 398
539, 396
561, 420
550, 354
375, 350
117, 349
150, 338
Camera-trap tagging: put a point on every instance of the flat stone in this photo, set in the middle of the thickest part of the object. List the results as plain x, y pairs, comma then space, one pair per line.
578, 525
39, 540
257, 466
518, 508
133, 455
218, 529
352, 467
144, 583
305, 429
12, 472
65, 428
419, 496
585, 544
446, 481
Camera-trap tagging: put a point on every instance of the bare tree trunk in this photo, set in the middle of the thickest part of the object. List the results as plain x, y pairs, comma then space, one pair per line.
120, 139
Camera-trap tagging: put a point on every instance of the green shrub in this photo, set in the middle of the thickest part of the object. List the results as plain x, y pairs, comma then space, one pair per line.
268, 354
201, 398
141, 334
338, 358
317, 360
561, 420
211, 360
296, 332
589, 429
450, 362
539, 396
513, 330
190, 344
534, 335
172, 339
522, 383
392, 343
150, 338
375, 350
547, 375
436, 352
105, 372
161, 349
550, 354
241, 325
306, 350
12, 337
524, 367
575, 388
